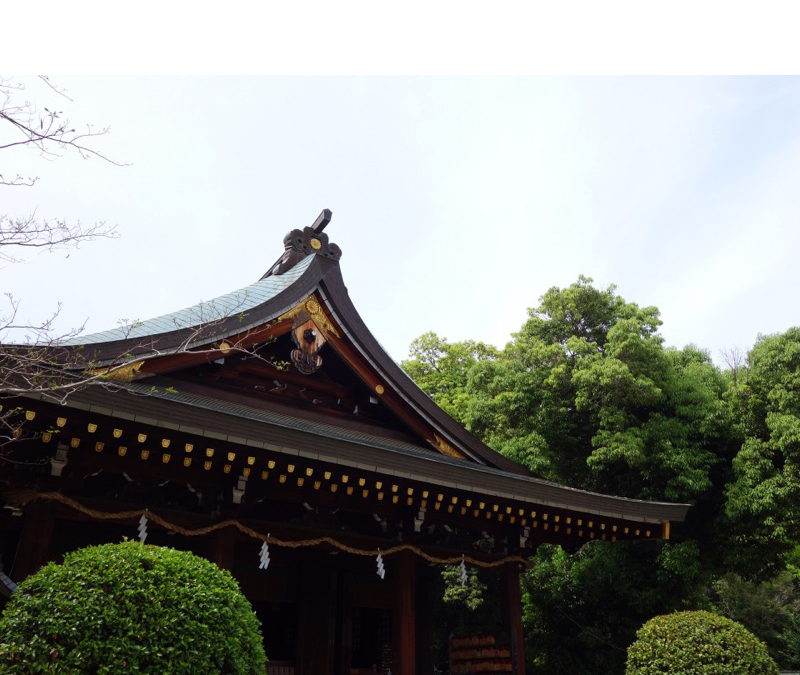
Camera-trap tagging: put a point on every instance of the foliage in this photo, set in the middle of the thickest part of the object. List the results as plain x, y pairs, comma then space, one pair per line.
440, 369
586, 394
471, 595
582, 610
769, 609
130, 608
763, 501
697, 643
472, 609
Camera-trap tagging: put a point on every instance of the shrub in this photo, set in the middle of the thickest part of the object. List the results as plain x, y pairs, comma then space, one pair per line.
697, 643
127, 607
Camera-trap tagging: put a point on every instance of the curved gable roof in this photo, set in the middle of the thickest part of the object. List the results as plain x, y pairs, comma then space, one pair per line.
273, 306
175, 338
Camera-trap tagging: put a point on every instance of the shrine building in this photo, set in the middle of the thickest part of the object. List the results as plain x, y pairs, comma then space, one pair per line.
271, 415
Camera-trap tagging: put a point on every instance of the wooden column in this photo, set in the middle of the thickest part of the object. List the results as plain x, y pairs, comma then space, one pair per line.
344, 628
223, 548
424, 620
316, 630
404, 574
34, 543
512, 607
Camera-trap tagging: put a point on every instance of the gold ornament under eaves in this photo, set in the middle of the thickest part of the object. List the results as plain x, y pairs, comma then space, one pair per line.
444, 447
124, 373
310, 309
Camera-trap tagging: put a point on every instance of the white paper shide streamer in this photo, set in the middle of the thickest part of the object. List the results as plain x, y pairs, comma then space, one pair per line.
142, 528
381, 568
264, 556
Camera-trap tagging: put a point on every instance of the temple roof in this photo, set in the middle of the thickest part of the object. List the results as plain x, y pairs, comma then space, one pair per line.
175, 376
255, 428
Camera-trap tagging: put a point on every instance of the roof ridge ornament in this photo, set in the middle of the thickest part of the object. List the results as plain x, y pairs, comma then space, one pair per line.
299, 244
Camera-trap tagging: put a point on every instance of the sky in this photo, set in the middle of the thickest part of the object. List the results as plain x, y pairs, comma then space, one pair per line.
457, 200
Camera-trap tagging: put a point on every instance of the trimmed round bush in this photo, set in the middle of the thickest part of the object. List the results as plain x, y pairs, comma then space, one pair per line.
130, 608
697, 643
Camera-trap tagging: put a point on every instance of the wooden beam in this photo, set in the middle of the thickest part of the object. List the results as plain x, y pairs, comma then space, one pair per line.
208, 353
322, 220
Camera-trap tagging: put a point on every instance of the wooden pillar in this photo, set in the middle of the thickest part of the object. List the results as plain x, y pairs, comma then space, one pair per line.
34, 542
223, 548
344, 628
404, 574
512, 607
424, 620
316, 634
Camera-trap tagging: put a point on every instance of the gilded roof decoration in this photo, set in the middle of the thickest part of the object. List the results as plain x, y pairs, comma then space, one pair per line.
310, 309
125, 373
444, 447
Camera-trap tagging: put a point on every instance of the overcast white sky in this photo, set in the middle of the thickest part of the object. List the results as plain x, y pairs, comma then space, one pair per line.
457, 201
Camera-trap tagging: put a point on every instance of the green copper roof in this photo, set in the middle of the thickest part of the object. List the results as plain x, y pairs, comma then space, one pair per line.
228, 305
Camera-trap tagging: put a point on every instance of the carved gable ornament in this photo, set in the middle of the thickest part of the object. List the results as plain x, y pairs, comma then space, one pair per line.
299, 244
310, 330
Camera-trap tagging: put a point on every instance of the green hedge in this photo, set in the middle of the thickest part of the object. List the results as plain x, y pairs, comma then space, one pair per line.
697, 643
127, 608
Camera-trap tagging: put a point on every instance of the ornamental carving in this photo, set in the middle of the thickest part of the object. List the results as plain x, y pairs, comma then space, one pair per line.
311, 328
444, 447
299, 244
125, 373
310, 309
309, 341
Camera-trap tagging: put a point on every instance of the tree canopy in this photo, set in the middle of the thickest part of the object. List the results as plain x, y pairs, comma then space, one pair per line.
587, 394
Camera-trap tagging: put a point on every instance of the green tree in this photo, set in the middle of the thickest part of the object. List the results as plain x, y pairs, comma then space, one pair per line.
768, 609
440, 368
130, 608
582, 610
763, 499
586, 394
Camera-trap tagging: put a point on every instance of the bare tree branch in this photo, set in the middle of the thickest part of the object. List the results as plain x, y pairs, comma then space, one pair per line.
39, 364
58, 90
30, 232
36, 359
735, 358
48, 130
